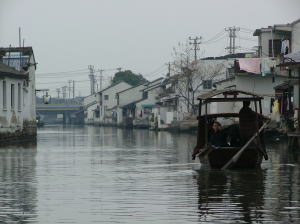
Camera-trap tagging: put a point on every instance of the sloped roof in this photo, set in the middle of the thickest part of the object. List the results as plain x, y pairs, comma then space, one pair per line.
226, 92
113, 85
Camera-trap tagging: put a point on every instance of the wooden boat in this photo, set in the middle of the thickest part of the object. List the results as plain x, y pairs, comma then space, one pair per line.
249, 155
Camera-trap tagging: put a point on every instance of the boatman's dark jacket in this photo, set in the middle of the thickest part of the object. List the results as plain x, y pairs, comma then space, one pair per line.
248, 122
218, 139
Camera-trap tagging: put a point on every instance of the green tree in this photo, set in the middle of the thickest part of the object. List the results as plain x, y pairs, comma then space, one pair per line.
129, 77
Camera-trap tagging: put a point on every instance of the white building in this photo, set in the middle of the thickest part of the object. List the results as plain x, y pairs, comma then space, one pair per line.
91, 108
17, 95
281, 42
144, 107
254, 83
127, 100
109, 102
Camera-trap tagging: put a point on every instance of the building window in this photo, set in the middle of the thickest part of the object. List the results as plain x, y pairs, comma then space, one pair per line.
4, 95
97, 113
207, 84
276, 46
105, 97
145, 95
12, 96
19, 97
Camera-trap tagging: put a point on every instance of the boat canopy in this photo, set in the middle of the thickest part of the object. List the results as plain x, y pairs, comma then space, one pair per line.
229, 95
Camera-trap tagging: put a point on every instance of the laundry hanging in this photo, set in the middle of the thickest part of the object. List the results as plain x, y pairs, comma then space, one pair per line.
285, 47
251, 65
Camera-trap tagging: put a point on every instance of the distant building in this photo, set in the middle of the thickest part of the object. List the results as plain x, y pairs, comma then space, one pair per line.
109, 103
145, 107
126, 101
91, 108
17, 95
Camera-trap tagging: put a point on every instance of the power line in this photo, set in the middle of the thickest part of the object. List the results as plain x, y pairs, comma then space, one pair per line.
217, 36
46, 83
247, 29
62, 76
156, 71
72, 71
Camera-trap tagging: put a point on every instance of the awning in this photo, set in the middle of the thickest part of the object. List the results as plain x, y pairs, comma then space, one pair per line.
148, 105
292, 57
168, 98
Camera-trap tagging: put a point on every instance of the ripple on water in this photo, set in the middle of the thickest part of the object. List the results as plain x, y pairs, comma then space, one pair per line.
108, 175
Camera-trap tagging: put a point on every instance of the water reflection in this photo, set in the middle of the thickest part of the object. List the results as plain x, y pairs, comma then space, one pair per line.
270, 194
18, 188
109, 175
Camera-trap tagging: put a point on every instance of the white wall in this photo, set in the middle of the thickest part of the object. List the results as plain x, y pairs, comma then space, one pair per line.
296, 37
90, 103
131, 95
261, 86
250, 83
13, 117
111, 102
151, 99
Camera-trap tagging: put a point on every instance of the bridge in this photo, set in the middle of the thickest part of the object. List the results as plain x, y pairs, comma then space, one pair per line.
60, 113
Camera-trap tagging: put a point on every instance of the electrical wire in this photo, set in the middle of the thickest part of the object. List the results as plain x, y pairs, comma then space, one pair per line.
218, 35
49, 73
62, 76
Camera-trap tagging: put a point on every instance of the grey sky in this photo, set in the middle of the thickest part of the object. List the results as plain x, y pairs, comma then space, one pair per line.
132, 34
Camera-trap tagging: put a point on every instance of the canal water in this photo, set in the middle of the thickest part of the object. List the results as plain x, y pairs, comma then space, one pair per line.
109, 175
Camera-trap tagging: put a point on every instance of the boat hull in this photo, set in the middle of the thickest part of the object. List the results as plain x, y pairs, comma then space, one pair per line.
216, 158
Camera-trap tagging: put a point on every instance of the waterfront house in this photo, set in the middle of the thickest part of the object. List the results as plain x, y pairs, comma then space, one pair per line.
126, 101
17, 95
91, 108
281, 43
144, 108
108, 105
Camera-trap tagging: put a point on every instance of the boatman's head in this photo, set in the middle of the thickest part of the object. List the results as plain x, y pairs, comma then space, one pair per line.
216, 126
246, 103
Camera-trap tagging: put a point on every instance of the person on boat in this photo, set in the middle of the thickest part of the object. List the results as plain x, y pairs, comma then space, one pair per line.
218, 137
249, 122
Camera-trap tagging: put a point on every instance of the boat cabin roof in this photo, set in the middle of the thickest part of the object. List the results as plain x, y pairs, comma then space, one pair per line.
225, 115
229, 95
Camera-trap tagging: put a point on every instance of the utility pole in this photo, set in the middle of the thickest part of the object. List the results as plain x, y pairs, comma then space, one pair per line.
196, 41
232, 35
69, 89
92, 78
73, 89
58, 92
64, 91
101, 77
169, 70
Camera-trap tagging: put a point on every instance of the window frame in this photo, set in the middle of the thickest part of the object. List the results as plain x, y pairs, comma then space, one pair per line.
12, 96
4, 95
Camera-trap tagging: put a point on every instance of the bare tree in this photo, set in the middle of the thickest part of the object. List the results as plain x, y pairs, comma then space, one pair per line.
190, 76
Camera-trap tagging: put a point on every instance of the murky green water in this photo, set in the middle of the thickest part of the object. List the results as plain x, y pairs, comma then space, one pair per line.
108, 175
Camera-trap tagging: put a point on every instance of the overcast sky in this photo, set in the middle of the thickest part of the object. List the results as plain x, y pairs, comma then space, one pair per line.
69, 35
